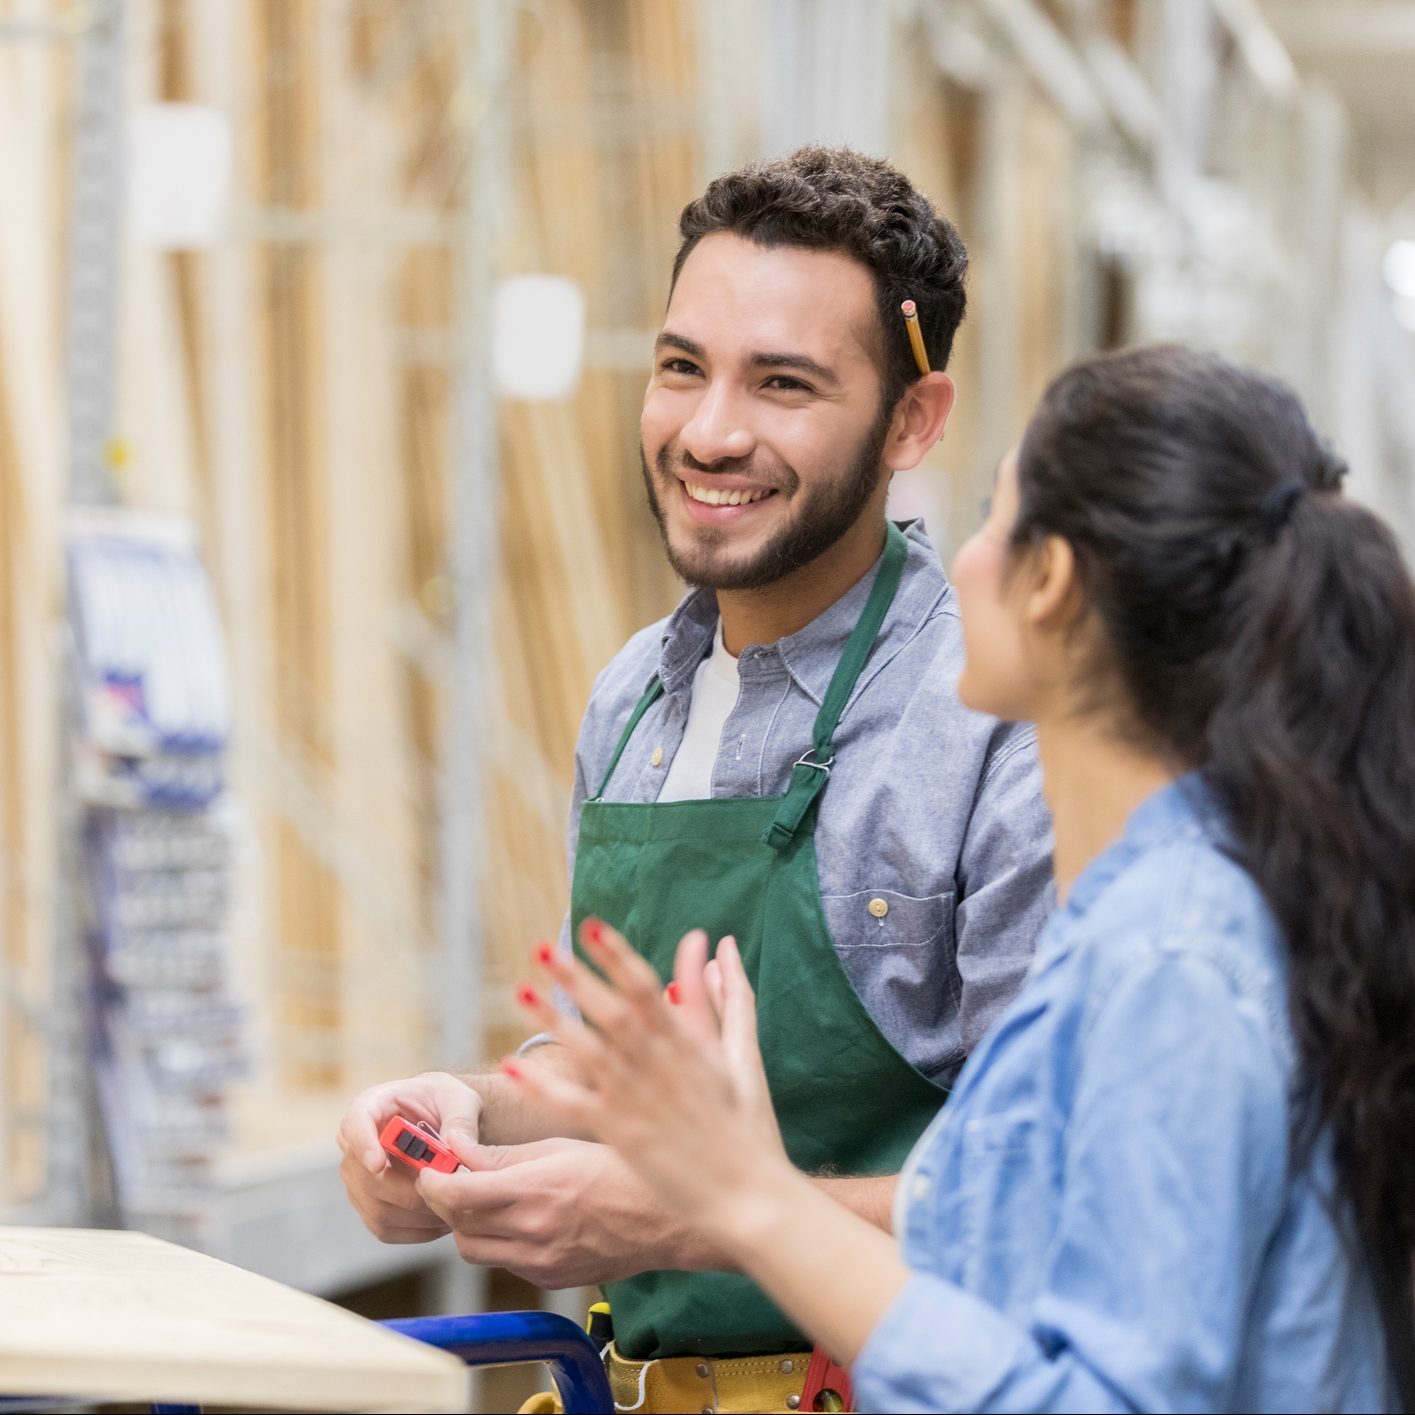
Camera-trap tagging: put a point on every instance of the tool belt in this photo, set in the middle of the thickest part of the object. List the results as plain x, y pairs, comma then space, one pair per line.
738, 1385
734, 1385
694, 1383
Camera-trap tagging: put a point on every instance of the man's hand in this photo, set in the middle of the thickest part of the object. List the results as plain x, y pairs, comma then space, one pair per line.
559, 1213
383, 1189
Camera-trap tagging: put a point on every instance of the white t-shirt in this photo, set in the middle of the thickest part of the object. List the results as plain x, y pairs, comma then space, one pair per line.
715, 689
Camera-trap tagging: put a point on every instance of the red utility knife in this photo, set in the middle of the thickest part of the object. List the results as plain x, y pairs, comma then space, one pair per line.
418, 1145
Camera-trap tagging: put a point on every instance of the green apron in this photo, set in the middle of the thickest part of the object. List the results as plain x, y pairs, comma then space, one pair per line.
846, 1101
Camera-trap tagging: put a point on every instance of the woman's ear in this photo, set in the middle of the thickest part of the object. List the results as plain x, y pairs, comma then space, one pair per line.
1054, 598
918, 421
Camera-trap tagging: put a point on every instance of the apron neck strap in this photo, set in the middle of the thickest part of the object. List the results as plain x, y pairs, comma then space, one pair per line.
810, 774
808, 777
652, 694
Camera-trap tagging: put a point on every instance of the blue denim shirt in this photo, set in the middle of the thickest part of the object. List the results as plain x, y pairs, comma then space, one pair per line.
932, 809
1108, 1214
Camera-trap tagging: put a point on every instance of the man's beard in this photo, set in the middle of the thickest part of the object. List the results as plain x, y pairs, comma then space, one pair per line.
818, 523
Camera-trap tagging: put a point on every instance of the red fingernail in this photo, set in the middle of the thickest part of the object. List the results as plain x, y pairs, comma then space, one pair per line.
673, 993
510, 1069
527, 996
544, 954
594, 932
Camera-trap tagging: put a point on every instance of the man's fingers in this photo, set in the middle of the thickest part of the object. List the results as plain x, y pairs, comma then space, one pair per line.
436, 1098
486, 1158
411, 1235
385, 1216
375, 1160
395, 1186
491, 1203
389, 1220
474, 1190
358, 1135
461, 1138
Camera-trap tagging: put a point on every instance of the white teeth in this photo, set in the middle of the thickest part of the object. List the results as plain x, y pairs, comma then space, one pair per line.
715, 496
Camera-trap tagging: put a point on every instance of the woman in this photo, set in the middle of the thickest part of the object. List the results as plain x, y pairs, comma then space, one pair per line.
1179, 1172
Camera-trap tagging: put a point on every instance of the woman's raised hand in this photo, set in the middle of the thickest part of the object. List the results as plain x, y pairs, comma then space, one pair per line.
673, 1077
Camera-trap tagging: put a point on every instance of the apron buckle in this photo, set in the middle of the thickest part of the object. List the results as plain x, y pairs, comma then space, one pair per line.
799, 797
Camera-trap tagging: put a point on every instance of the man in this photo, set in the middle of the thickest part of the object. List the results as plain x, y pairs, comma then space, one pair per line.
784, 759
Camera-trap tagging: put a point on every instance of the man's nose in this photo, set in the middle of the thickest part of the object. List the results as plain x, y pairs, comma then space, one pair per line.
717, 431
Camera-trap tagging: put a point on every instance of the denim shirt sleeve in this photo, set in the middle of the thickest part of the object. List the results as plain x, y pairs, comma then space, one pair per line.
1005, 882
1175, 1138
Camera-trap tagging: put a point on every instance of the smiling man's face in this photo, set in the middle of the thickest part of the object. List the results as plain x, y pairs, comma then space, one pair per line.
762, 429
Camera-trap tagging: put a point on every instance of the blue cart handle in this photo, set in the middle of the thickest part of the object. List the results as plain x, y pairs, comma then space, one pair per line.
514, 1338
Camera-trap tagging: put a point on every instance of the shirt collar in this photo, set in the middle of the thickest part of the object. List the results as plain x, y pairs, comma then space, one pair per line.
811, 654
687, 639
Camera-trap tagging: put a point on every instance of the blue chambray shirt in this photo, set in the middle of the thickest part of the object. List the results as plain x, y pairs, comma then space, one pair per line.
932, 808
1108, 1215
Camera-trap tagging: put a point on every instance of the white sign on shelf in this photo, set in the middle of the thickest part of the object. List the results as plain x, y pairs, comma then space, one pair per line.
537, 337
179, 175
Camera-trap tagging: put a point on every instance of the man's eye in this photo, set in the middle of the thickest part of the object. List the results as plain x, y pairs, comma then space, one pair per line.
787, 384
682, 366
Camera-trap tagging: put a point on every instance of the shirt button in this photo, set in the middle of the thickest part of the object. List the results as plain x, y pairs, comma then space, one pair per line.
657, 758
879, 907
920, 1187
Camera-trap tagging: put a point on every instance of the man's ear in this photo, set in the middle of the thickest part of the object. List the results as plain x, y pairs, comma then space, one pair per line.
1054, 596
918, 421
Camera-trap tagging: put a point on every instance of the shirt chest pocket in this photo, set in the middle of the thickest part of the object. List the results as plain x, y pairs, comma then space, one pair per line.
885, 918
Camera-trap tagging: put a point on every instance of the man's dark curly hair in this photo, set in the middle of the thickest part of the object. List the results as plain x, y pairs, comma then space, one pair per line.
832, 199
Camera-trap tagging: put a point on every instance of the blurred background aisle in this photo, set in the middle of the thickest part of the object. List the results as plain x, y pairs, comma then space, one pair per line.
310, 556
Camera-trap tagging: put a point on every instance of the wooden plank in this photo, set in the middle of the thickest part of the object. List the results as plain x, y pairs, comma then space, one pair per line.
306, 928
220, 48
379, 948
123, 1316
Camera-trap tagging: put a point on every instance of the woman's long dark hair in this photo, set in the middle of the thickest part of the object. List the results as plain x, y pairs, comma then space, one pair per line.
1262, 627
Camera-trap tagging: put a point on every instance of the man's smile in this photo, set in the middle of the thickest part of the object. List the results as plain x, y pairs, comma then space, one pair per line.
709, 504
725, 496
